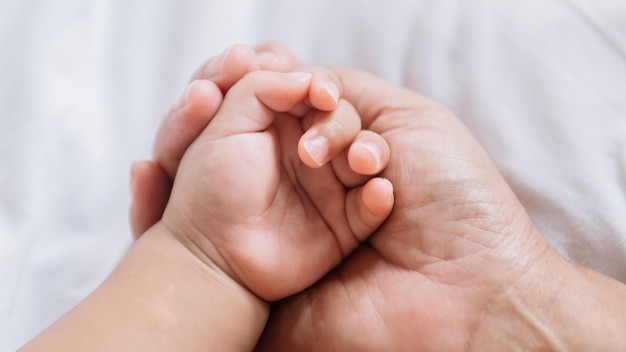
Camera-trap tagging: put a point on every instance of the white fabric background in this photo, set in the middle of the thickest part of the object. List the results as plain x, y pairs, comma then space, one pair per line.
84, 83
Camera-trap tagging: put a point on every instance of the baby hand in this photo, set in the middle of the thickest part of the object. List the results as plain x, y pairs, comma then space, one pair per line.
245, 201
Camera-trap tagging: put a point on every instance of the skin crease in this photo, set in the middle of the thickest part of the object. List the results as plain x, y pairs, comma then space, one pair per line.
458, 265
256, 229
454, 241
151, 181
247, 222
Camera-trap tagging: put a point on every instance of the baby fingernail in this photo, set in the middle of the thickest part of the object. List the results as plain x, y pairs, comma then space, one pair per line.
332, 90
318, 149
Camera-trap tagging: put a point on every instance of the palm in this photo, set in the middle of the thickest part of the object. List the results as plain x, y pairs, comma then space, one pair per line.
279, 225
447, 250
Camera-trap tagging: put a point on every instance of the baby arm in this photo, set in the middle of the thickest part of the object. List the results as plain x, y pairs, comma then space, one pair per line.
246, 223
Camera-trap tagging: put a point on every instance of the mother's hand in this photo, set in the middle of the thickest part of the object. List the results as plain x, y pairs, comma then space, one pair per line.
457, 266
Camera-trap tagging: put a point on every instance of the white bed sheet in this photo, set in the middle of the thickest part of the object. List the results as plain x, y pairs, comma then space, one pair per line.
84, 84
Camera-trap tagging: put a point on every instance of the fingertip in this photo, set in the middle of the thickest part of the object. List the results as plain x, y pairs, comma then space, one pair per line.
202, 97
365, 158
314, 151
139, 172
332, 95
239, 61
368, 154
369, 206
150, 188
378, 197
325, 91
197, 106
229, 66
328, 133
275, 56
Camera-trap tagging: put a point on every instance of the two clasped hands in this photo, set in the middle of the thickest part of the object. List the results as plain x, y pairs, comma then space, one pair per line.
367, 215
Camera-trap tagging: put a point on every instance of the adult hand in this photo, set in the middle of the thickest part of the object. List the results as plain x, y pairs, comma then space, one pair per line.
458, 265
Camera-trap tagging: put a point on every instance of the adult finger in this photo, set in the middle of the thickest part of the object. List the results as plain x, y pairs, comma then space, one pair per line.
371, 95
184, 123
197, 106
275, 56
200, 102
368, 154
228, 67
251, 104
368, 206
150, 189
235, 62
186, 120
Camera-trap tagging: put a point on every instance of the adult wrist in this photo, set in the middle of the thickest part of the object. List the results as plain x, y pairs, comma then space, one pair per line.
555, 306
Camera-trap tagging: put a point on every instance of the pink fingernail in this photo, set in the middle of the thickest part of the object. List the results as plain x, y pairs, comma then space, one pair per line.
332, 90
318, 149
